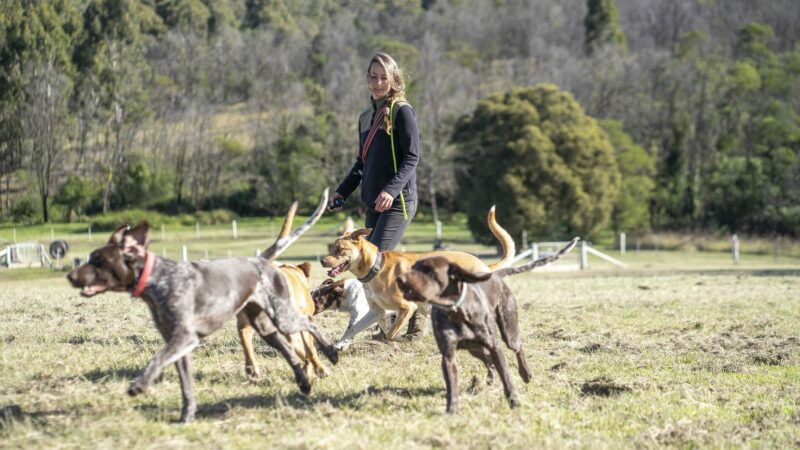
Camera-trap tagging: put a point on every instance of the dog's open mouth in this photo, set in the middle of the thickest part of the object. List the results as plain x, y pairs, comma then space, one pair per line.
338, 270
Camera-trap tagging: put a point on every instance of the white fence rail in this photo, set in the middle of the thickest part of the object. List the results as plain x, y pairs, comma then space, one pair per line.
540, 249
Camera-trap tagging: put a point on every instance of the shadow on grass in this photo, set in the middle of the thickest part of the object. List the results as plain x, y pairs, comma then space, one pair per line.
124, 373
295, 400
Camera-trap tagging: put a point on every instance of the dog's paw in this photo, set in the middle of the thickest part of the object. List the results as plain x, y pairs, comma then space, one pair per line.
343, 345
136, 388
252, 374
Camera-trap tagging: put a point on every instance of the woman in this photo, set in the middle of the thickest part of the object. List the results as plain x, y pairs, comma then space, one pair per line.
386, 163
387, 175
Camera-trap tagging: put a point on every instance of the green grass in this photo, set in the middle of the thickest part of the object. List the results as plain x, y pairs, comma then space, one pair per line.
696, 352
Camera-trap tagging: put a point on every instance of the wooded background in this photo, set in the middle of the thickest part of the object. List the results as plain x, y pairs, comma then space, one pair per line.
573, 116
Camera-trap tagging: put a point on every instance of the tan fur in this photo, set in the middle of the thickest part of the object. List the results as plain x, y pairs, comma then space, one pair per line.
382, 290
298, 278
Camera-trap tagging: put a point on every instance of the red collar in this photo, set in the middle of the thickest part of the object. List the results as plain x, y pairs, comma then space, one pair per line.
149, 262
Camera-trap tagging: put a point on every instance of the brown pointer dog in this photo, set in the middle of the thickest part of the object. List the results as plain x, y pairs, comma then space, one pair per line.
472, 311
189, 301
379, 270
299, 278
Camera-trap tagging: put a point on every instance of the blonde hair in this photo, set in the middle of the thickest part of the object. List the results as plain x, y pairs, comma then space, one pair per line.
397, 86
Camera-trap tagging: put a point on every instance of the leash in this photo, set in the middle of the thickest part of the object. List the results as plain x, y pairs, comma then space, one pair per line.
454, 306
375, 268
149, 262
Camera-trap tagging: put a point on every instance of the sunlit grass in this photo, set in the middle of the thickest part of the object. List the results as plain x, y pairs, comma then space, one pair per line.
696, 351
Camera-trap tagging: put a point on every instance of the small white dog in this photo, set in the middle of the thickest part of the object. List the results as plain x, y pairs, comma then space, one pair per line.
348, 296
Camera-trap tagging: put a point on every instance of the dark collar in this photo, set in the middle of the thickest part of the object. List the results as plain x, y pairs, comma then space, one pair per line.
375, 268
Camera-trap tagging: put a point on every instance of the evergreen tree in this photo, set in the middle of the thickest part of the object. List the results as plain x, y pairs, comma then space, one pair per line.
602, 26
548, 167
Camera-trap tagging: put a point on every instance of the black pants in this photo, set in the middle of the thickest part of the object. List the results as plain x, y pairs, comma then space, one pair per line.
388, 227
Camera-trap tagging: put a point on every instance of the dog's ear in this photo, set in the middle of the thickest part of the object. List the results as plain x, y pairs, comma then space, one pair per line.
116, 236
338, 288
459, 273
356, 235
136, 240
306, 268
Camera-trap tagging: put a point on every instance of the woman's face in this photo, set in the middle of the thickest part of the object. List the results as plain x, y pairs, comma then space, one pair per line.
377, 81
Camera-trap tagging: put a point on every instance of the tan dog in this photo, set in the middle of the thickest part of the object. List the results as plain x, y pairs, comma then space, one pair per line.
379, 271
298, 278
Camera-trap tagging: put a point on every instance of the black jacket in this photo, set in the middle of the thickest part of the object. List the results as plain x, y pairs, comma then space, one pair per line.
377, 174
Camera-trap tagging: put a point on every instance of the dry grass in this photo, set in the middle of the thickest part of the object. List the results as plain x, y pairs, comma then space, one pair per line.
704, 356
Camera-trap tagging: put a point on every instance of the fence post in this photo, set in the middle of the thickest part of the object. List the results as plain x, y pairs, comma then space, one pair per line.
735, 240
205, 253
233, 225
185, 254
622, 243
584, 256
524, 238
257, 252
90, 234
534, 251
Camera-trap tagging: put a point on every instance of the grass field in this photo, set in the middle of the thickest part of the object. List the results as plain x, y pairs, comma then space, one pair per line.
684, 349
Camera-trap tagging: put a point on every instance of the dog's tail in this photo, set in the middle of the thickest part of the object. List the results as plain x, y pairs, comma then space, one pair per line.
539, 262
509, 249
284, 238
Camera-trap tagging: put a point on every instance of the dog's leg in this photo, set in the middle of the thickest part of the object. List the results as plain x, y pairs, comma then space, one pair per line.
508, 323
450, 376
299, 345
400, 323
267, 330
276, 341
289, 321
180, 345
311, 351
362, 323
501, 364
184, 366
246, 337
486, 359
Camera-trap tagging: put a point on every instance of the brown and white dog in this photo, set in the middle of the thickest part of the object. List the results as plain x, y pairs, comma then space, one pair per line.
299, 279
472, 311
378, 271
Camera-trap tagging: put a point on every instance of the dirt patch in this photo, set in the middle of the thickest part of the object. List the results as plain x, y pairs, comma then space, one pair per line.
603, 387
560, 366
10, 338
594, 348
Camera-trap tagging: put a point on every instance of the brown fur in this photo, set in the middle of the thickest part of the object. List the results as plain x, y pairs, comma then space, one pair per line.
355, 251
298, 278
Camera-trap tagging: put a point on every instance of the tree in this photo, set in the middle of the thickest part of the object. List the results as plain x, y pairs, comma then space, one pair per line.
602, 26
636, 166
548, 167
76, 194
49, 34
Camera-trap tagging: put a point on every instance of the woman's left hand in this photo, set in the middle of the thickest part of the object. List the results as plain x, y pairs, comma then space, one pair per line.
383, 202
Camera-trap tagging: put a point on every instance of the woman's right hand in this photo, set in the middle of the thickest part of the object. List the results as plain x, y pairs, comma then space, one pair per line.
332, 202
